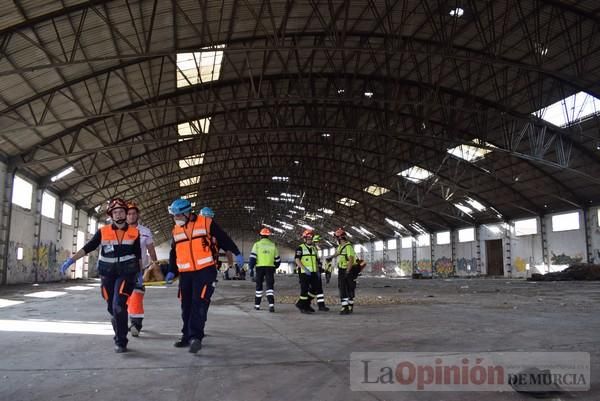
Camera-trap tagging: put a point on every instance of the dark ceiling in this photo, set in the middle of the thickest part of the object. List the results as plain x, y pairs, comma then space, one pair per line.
334, 95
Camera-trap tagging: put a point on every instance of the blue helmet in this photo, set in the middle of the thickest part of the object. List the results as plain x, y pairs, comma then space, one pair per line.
180, 206
207, 212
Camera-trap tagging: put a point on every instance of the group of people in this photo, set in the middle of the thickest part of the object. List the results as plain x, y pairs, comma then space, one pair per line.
127, 258
265, 258
124, 245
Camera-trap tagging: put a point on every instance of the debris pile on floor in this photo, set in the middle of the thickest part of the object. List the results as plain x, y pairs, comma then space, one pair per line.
576, 272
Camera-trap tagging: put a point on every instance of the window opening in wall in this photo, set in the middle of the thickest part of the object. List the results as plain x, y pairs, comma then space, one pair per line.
526, 227
92, 225
406, 242
423, 240
48, 205
378, 245
22, 193
442, 238
565, 222
67, 214
391, 244
19, 253
466, 235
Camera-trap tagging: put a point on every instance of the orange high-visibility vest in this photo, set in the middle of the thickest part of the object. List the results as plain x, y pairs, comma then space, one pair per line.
124, 261
193, 245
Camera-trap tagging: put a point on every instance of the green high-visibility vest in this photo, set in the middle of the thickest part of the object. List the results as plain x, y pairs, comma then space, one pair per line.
344, 252
309, 257
266, 252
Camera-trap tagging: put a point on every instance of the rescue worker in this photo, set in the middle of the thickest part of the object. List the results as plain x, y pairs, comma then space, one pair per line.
308, 270
118, 265
192, 255
328, 270
345, 260
208, 212
352, 278
317, 282
265, 257
136, 301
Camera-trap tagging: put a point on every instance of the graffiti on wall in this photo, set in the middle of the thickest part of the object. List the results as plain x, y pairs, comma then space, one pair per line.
424, 267
520, 264
563, 259
37, 263
443, 267
467, 266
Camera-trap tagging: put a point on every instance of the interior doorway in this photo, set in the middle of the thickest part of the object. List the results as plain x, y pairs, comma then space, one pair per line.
493, 251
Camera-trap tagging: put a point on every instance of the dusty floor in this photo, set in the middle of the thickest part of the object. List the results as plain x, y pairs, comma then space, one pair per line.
250, 355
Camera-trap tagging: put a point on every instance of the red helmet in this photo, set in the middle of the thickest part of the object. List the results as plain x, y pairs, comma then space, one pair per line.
132, 205
116, 203
265, 231
307, 233
340, 232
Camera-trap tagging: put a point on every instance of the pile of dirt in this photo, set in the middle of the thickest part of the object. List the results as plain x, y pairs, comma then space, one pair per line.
575, 272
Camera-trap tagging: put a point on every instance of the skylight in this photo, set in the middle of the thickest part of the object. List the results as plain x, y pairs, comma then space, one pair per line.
198, 67
347, 202
376, 190
326, 211
416, 174
313, 216
306, 226
195, 127
191, 161
471, 153
189, 181
465, 209
276, 229
457, 12
279, 178
62, 174
249, 208
299, 207
570, 110
394, 224
288, 195
190, 195
475, 204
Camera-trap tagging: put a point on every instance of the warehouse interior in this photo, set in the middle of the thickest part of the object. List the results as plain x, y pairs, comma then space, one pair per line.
456, 143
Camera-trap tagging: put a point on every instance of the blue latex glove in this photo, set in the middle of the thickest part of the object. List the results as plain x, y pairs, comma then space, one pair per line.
169, 277
65, 266
239, 259
139, 280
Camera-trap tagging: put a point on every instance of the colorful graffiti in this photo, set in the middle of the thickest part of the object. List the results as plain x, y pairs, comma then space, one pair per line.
424, 267
520, 264
466, 266
37, 264
563, 259
443, 267
406, 267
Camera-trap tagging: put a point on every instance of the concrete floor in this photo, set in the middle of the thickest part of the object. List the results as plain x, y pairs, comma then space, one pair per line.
251, 355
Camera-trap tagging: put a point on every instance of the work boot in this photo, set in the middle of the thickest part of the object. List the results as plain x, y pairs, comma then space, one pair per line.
256, 307
310, 308
309, 311
271, 309
345, 310
195, 345
323, 308
351, 308
119, 349
182, 343
299, 305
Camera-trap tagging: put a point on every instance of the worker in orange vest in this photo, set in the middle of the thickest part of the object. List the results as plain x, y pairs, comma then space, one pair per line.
119, 263
192, 255
136, 301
